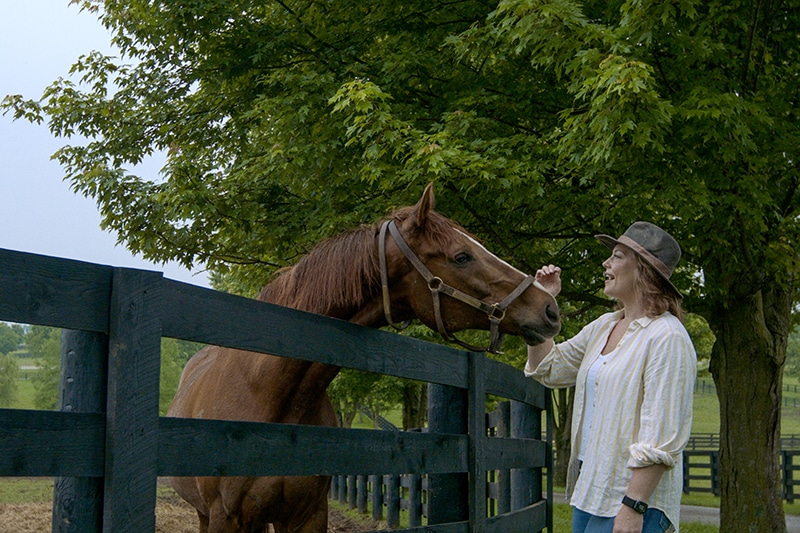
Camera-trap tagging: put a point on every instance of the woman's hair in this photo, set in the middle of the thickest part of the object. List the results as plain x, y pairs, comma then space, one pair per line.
657, 295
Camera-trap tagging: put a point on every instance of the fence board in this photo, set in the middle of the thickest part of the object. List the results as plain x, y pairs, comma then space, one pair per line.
226, 448
247, 324
531, 518
54, 292
134, 358
49, 443
504, 454
508, 382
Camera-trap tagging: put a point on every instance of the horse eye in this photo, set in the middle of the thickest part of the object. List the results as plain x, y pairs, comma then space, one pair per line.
462, 258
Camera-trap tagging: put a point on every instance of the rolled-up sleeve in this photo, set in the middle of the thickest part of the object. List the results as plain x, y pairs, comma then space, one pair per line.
666, 412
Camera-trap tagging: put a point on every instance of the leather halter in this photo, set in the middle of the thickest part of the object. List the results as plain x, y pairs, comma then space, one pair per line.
496, 312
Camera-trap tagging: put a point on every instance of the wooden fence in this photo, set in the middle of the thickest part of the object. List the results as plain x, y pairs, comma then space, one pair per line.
108, 446
410, 492
701, 470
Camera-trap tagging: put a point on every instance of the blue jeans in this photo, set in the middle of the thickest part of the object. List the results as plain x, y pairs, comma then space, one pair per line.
655, 521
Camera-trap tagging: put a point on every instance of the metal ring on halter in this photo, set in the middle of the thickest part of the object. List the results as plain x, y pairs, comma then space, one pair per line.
435, 283
497, 313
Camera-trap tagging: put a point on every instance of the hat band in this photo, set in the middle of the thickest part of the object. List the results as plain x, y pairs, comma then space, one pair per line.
657, 263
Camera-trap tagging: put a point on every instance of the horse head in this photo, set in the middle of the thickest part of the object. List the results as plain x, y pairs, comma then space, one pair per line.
451, 282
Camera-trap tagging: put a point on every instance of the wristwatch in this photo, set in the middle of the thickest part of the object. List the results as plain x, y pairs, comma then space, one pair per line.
637, 505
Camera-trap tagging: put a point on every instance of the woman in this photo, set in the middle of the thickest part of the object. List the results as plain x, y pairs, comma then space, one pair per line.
633, 372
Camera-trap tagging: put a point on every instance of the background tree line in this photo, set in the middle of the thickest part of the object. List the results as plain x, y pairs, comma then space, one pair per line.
542, 122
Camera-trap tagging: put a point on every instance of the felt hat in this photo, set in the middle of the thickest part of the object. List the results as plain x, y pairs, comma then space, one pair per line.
657, 247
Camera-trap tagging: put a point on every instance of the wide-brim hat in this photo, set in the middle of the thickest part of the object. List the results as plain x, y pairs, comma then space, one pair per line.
657, 247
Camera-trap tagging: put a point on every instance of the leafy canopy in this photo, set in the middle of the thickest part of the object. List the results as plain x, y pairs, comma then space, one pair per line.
542, 122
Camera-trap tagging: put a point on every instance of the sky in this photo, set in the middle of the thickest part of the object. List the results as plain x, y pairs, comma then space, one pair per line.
39, 41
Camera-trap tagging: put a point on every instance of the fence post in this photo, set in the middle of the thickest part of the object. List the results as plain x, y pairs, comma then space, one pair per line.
715, 473
414, 500
342, 496
362, 493
393, 500
685, 459
351, 491
78, 501
448, 494
526, 483
788, 476
377, 496
134, 362
504, 476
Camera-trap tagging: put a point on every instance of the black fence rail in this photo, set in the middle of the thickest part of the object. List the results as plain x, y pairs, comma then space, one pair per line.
701, 472
710, 441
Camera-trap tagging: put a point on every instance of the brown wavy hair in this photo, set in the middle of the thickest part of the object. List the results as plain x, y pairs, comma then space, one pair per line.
658, 296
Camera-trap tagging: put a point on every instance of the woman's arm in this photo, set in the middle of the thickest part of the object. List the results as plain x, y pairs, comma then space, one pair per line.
643, 483
549, 277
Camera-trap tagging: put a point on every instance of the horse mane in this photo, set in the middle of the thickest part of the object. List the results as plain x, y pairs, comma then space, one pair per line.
342, 272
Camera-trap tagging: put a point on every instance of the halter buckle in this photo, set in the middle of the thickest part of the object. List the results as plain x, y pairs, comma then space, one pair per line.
497, 313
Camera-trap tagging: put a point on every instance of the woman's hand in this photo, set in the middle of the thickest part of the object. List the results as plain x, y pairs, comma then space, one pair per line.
549, 277
628, 521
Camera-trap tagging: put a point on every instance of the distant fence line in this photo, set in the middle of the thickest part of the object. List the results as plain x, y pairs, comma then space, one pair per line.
706, 386
701, 472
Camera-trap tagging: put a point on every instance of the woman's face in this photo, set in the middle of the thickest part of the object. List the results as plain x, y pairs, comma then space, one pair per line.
620, 274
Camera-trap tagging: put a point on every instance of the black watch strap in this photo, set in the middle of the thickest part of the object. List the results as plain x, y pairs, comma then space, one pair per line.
637, 505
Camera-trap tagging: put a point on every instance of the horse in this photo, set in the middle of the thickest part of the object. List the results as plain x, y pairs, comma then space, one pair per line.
367, 277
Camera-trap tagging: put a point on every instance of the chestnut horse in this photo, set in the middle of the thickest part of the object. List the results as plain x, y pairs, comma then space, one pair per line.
341, 278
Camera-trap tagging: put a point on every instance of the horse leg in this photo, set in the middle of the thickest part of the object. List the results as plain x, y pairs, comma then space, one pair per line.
203, 522
316, 522
219, 521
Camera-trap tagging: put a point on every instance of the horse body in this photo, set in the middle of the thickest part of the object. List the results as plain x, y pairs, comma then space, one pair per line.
339, 278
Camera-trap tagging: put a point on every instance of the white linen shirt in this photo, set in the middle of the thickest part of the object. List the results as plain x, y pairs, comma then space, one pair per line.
642, 409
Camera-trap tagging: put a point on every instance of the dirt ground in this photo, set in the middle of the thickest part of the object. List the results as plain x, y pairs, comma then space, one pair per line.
173, 515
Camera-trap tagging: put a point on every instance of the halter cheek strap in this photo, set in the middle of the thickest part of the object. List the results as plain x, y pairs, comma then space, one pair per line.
496, 312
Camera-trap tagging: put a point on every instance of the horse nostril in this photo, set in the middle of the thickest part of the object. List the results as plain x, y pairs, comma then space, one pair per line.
551, 312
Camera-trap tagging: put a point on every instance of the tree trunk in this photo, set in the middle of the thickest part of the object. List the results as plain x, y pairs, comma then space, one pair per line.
415, 404
747, 365
563, 401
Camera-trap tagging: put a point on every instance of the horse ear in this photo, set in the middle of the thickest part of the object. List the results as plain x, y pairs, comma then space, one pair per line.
424, 206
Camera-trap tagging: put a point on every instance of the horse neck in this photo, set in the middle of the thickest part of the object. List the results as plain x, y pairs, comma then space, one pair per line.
313, 286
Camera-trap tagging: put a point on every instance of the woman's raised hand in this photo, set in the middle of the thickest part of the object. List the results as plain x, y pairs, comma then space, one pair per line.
549, 276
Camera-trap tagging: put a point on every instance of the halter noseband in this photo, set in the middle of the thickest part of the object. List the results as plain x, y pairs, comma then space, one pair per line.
496, 312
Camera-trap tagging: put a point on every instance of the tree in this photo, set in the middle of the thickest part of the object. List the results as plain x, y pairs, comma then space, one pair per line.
44, 344
174, 355
543, 123
9, 369
9, 338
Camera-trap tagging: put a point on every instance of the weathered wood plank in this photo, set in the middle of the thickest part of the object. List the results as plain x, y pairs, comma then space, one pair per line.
477, 441
448, 494
53, 292
508, 382
531, 518
78, 501
132, 414
190, 447
49, 443
504, 453
237, 322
